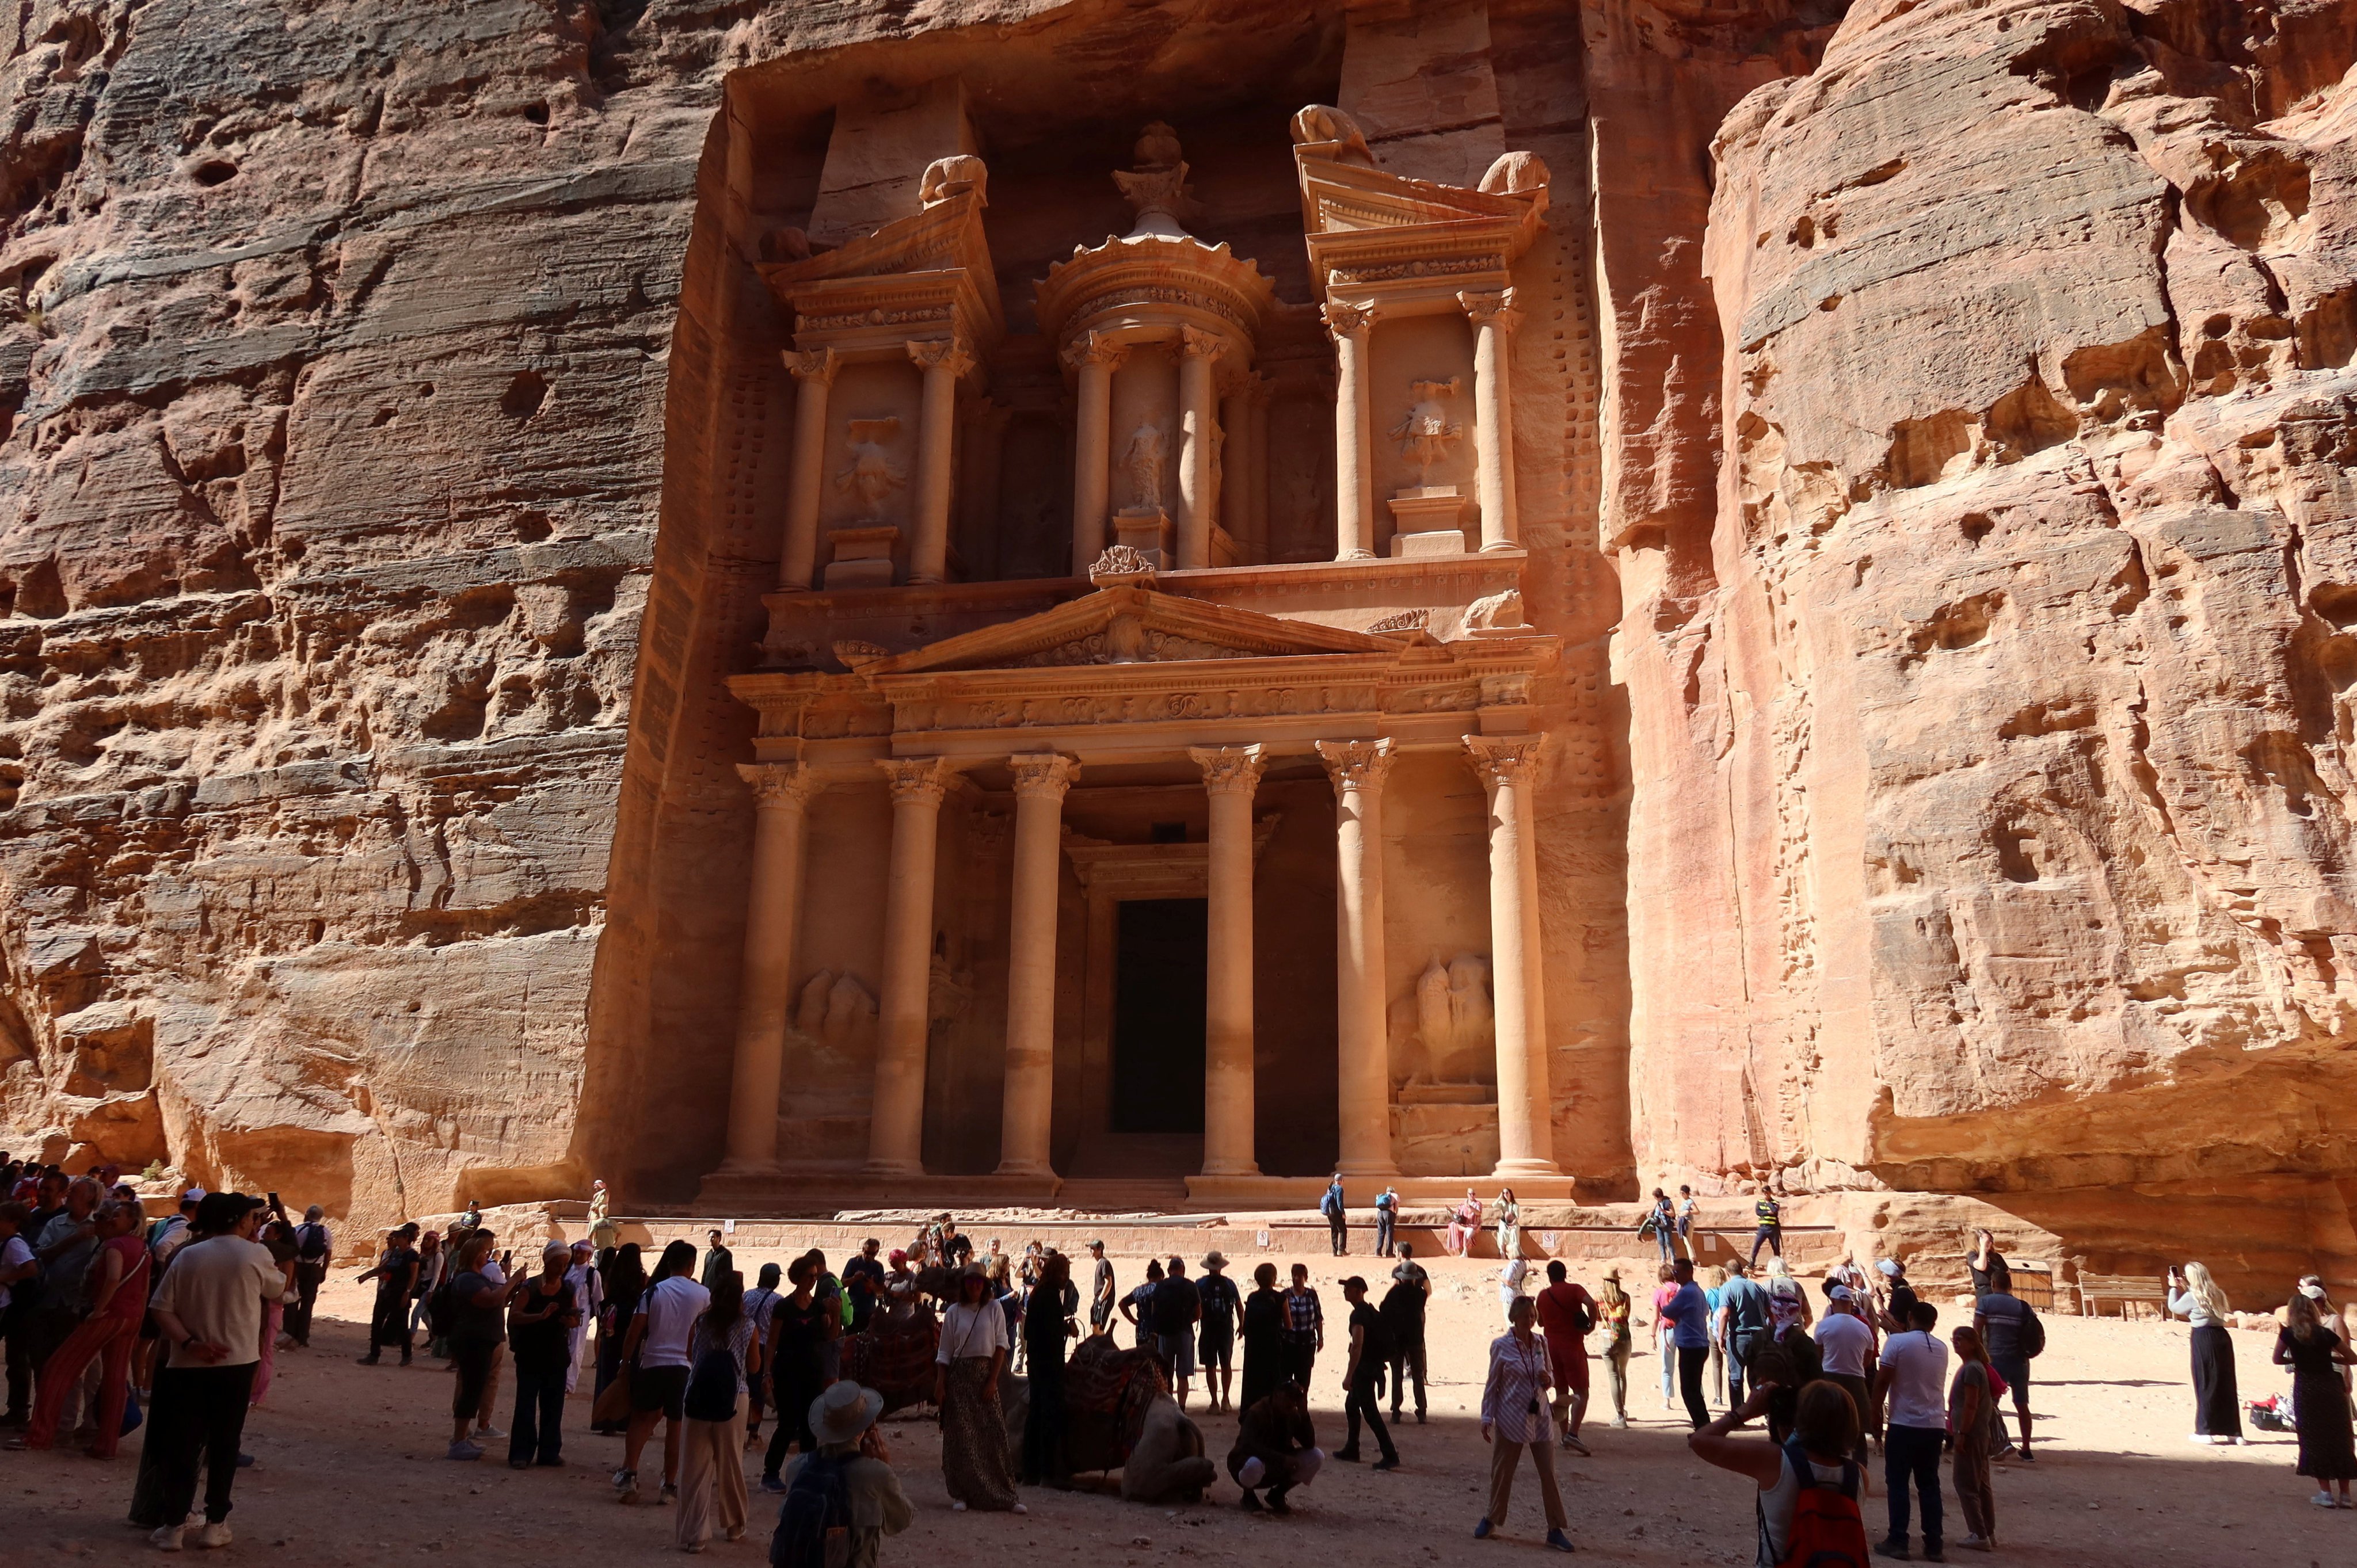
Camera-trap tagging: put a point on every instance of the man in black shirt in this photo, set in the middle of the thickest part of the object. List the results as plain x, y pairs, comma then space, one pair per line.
1178, 1305
396, 1280
717, 1262
1369, 1351
863, 1281
1100, 1291
1403, 1313
1220, 1305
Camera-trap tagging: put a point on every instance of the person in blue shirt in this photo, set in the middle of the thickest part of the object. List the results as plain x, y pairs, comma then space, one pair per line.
1688, 1315
1386, 1219
1330, 1206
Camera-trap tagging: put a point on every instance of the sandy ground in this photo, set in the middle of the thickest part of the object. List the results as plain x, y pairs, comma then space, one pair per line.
352, 1471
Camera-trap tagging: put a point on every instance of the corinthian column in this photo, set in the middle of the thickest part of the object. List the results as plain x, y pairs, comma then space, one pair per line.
1363, 1057
1230, 775
1494, 317
1198, 351
1509, 770
896, 1135
1354, 433
943, 362
1027, 1102
813, 375
780, 792
1094, 357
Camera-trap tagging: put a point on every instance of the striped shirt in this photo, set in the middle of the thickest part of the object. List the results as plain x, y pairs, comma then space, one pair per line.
1514, 1402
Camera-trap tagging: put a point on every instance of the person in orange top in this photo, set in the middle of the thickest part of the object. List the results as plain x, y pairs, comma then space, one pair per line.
1566, 1312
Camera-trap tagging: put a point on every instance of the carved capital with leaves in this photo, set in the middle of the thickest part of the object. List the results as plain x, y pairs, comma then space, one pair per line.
1497, 306
940, 354
1043, 775
1511, 760
815, 365
1348, 320
1356, 763
782, 784
1229, 769
920, 779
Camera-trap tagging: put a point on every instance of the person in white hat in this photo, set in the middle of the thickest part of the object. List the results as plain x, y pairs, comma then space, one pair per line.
851, 1473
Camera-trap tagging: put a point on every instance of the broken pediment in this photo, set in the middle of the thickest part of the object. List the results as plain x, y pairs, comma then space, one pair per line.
932, 268
1130, 624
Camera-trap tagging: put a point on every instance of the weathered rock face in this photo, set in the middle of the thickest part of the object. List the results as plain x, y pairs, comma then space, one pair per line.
1961, 394
1997, 751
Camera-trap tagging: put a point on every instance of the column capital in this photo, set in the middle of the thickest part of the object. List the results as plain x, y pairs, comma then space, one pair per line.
813, 365
1094, 348
1356, 763
940, 354
1229, 768
1505, 758
1195, 343
1496, 306
1346, 320
1043, 775
779, 783
924, 779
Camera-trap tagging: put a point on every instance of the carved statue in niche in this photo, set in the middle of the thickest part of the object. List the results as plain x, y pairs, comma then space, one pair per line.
1144, 463
1427, 433
1156, 188
837, 1013
1445, 1034
871, 476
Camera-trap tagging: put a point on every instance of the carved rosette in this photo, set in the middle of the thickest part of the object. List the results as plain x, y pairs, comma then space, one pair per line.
940, 354
1511, 760
1229, 769
1095, 348
1356, 763
1347, 320
817, 365
779, 785
922, 780
1043, 775
1498, 306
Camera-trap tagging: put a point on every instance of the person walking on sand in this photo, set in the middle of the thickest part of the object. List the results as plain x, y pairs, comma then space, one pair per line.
1612, 1309
1666, 1352
725, 1356
1974, 1431
655, 1351
794, 1357
1688, 1315
1566, 1312
315, 1244
1744, 1324
2319, 1362
976, 1466
2217, 1406
1305, 1327
1809, 1488
588, 1289
1514, 1418
1362, 1379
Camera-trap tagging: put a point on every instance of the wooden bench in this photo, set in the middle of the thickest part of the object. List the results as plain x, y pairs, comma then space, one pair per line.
2096, 1289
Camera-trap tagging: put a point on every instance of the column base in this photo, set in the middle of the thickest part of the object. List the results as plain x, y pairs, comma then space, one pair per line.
1491, 546
1509, 1168
892, 1168
1351, 1171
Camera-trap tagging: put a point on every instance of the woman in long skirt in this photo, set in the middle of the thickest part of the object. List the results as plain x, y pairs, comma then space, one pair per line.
2319, 1396
977, 1466
1509, 1224
2217, 1405
1046, 1326
1264, 1334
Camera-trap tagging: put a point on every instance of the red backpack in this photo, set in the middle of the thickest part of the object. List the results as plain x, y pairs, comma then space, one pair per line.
1828, 1531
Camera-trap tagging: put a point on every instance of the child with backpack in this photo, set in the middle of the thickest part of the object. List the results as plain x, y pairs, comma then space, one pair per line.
1807, 1511
848, 1479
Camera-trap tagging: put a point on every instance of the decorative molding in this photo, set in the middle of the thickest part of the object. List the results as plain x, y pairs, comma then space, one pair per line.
1511, 760
1487, 307
1343, 320
779, 784
1043, 775
923, 779
1356, 763
1121, 567
813, 365
1405, 620
1228, 767
1196, 343
939, 354
853, 654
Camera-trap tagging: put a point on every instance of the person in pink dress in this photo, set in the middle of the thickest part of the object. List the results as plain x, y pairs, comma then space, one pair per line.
118, 1293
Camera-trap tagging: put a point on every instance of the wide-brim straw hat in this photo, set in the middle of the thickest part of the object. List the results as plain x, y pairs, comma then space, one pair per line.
844, 1411
1215, 1259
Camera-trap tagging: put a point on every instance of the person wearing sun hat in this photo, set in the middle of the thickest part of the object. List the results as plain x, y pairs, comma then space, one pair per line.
851, 1459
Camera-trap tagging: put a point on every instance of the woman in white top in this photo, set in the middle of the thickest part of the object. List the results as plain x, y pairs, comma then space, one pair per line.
2217, 1403
976, 1464
1825, 1431
1510, 1285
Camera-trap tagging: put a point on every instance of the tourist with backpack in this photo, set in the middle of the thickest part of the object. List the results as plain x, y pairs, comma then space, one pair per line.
2012, 1337
1809, 1487
726, 1355
1337, 1215
843, 1499
313, 1244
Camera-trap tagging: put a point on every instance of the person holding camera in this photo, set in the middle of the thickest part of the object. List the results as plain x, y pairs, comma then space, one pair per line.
2217, 1405
1514, 1417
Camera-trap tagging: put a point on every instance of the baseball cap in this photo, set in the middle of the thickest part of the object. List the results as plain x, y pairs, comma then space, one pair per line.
1888, 1266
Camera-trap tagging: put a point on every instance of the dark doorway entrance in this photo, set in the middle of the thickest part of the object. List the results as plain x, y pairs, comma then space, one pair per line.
1159, 962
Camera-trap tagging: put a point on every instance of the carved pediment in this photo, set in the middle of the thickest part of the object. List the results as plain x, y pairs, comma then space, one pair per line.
930, 271
1130, 626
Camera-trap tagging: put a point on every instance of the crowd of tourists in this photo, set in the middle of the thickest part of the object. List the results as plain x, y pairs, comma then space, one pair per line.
113, 1315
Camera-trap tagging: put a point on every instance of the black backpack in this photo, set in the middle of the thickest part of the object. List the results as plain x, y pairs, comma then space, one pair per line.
2032, 1333
712, 1387
816, 1515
